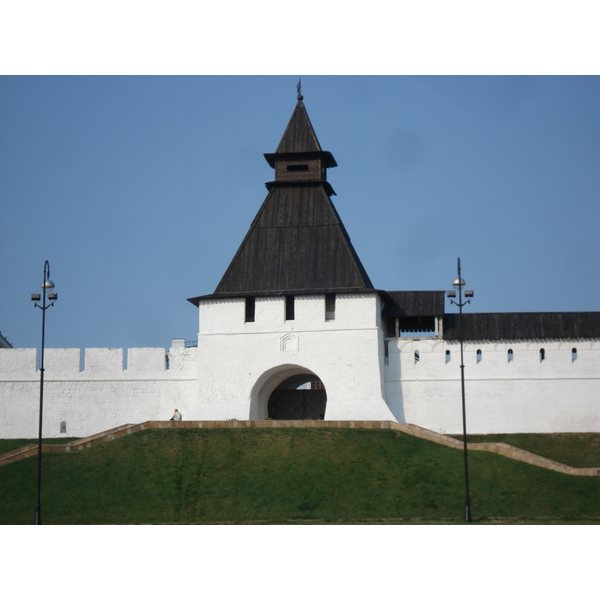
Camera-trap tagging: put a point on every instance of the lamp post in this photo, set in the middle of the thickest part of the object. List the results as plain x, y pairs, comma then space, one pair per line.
47, 294
458, 284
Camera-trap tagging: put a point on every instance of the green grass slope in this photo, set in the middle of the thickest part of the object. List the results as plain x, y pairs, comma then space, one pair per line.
284, 475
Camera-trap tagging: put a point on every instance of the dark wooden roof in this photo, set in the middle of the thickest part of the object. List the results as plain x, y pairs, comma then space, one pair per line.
523, 326
299, 142
413, 304
299, 135
297, 243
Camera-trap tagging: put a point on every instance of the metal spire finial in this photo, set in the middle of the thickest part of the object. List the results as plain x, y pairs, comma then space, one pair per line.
299, 88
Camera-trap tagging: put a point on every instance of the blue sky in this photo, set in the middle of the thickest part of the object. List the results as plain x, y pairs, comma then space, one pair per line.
139, 190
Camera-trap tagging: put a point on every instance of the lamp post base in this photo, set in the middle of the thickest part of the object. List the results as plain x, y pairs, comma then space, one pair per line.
468, 511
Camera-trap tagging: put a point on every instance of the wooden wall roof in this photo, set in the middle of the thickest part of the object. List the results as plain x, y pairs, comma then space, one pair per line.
413, 304
523, 326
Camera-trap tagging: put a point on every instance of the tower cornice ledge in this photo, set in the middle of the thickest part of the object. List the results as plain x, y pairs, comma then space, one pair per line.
280, 293
324, 155
271, 185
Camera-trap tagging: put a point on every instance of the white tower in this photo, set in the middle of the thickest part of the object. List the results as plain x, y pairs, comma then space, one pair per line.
293, 330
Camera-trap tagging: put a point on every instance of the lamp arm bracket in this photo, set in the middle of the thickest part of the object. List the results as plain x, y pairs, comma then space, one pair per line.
459, 304
44, 308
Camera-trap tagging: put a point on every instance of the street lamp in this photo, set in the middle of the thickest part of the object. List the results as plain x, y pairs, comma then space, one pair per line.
458, 284
47, 294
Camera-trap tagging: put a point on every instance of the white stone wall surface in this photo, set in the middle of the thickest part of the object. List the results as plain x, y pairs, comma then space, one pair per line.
525, 394
240, 364
93, 394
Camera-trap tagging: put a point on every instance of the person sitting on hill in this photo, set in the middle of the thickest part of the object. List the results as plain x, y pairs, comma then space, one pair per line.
176, 416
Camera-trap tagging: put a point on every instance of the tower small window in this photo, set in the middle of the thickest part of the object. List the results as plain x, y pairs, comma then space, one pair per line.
542, 354
417, 356
63, 427
574, 354
479, 355
290, 312
291, 168
329, 307
448, 355
511, 355
250, 309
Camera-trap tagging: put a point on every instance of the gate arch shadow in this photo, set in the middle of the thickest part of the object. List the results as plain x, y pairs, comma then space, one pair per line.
288, 392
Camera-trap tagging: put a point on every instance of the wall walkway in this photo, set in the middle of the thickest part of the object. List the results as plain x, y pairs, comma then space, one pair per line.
112, 434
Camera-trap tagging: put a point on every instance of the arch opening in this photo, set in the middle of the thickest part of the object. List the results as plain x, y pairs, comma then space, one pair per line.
289, 392
298, 398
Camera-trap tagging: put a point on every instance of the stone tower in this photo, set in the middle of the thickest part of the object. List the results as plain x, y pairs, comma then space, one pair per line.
293, 329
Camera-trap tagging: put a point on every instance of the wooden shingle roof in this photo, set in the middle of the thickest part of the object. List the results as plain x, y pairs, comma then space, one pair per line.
297, 243
299, 135
523, 326
413, 304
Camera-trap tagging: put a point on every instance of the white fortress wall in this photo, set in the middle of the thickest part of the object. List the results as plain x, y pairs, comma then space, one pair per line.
231, 375
240, 363
101, 395
532, 392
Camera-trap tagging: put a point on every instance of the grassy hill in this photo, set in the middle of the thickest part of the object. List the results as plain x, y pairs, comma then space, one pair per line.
287, 475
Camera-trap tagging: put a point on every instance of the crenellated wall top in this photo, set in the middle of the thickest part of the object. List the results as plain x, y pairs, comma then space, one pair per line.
117, 362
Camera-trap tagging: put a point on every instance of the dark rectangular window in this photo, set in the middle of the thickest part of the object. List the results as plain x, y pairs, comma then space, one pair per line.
250, 309
329, 307
297, 168
289, 308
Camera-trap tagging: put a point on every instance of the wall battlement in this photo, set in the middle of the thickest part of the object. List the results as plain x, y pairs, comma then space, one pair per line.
60, 363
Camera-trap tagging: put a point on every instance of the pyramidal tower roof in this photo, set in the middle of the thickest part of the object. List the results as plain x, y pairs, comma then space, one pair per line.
299, 135
297, 243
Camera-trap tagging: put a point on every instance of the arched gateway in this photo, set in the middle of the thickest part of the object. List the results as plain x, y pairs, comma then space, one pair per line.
299, 397
288, 392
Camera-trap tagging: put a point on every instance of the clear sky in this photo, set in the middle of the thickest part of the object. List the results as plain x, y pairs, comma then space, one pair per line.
139, 190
